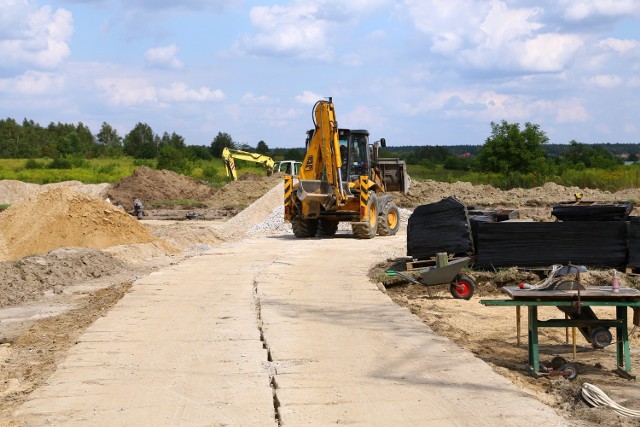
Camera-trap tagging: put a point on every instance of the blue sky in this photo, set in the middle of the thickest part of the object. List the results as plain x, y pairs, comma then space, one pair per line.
416, 72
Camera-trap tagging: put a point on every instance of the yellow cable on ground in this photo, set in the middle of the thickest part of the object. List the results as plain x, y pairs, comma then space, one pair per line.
596, 397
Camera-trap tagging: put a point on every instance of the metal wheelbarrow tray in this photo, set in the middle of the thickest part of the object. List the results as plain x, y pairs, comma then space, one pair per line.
461, 285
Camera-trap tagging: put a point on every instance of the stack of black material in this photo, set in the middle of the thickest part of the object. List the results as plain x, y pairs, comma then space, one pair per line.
531, 244
633, 242
592, 211
594, 235
439, 227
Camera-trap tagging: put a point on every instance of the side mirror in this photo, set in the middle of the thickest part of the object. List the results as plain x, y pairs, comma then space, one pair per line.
383, 142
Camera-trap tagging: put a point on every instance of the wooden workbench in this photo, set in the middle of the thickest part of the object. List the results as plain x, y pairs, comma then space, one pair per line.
591, 296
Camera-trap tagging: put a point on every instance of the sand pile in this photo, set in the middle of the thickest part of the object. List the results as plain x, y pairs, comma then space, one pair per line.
243, 192
157, 186
65, 218
12, 192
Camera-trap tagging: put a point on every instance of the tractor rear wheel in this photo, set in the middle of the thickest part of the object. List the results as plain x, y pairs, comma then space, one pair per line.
304, 228
367, 229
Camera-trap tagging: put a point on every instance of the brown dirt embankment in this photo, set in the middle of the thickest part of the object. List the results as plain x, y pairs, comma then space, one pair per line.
65, 218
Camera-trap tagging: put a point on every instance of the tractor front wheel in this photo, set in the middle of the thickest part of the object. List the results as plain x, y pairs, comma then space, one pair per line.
368, 228
304, 228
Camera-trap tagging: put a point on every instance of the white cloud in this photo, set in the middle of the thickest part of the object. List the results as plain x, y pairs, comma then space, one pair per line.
127, 91
363, 117
33, 83
577, 10
180, 92
163, 57
606, 81
34, 37
570, 111
138, 91
492, 35
251, 99
308, 97
288, 31
619, 45
304, 29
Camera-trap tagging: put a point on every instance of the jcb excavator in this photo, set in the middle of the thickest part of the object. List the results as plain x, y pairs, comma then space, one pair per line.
284, 166
228, 154
342, 179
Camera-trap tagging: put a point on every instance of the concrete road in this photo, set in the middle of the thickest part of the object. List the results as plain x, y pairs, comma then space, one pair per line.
274, 331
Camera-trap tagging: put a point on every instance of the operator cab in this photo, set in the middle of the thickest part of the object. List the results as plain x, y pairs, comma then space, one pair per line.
355, 143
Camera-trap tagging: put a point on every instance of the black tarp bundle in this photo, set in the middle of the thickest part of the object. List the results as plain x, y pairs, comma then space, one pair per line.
591, 211
633, 242
532, 244
439, 227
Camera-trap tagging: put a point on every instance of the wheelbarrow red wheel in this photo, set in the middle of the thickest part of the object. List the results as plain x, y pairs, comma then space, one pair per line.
462, 287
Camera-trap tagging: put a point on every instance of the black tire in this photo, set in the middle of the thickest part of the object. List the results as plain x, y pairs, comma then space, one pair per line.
558, 362
304, 228
367, 229
327, 227
600, 337
571, 372
389, 221
462, 287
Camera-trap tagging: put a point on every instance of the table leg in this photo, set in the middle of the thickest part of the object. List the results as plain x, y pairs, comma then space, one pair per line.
518, 325
623, 354
534, 358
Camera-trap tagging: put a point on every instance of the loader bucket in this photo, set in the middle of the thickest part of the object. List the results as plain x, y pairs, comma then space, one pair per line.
315, 191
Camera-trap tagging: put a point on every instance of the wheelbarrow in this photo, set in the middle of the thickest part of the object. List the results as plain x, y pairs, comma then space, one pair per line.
461, 285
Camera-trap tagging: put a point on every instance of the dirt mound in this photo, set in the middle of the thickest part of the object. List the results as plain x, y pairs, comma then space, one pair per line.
12, 192
157, 186
28, 278
243, 192
65, 218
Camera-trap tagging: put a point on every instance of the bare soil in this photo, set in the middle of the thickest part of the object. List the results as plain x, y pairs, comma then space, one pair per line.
68, 257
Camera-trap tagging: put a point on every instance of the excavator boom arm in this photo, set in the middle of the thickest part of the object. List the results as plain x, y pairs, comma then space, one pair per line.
322, 160
229, 154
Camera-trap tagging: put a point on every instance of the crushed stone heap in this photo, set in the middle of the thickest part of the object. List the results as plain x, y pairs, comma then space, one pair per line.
157, 186
65, 218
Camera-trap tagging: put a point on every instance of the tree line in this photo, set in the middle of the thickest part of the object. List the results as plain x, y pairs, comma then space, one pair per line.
509, 149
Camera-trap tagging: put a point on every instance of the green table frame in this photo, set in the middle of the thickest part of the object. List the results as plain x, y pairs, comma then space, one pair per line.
623, 356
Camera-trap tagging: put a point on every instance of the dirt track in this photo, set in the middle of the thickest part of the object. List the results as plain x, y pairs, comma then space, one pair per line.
58, 311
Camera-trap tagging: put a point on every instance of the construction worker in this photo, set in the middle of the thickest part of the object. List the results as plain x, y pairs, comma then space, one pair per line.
138, 208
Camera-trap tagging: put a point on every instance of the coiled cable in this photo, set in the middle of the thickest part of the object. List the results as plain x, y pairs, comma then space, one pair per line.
596, 397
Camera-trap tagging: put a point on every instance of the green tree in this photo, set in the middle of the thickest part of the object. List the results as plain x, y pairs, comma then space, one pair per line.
174, 140
582, 155
173, 159
140, 142
220, 142
262, 147
109, 140
201, 152
510, 149
11, 138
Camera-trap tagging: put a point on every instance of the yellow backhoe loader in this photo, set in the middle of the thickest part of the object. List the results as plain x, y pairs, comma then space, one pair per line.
343, 179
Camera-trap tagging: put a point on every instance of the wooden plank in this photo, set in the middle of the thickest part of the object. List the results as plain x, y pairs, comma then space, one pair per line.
598, 293
421, 263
